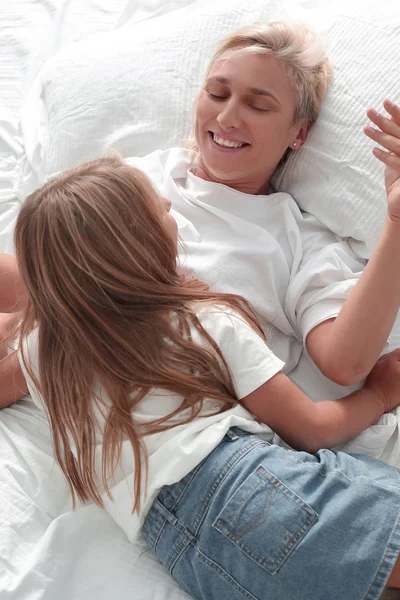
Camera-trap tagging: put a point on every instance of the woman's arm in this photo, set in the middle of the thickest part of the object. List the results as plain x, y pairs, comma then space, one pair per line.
307, 426
346, 348
12, 381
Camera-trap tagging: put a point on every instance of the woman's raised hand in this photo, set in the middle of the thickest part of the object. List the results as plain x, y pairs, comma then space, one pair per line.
387, 134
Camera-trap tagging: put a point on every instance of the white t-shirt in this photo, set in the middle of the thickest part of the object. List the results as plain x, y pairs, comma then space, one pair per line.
294, 271
174, 453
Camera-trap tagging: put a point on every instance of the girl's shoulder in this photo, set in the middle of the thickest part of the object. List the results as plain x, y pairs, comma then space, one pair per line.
250, 360
224, 323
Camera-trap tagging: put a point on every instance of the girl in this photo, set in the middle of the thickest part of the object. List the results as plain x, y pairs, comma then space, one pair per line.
155, 388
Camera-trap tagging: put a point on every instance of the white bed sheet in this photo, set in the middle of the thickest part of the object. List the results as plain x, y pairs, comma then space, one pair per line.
47, 550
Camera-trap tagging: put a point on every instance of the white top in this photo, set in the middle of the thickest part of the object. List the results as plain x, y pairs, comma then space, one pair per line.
174, 453
294, 271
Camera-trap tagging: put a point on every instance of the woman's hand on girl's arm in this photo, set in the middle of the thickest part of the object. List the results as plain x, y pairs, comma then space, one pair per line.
310, 426
384, 380
12, 381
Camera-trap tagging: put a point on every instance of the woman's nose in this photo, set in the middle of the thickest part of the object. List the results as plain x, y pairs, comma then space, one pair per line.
229, 115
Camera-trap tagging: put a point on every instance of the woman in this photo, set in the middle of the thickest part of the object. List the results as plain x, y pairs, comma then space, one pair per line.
150, 382
263, 91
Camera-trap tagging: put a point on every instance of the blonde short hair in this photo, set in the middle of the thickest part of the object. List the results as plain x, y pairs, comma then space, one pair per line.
302, 53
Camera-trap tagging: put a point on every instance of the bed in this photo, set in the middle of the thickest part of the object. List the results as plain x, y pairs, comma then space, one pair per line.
51, 53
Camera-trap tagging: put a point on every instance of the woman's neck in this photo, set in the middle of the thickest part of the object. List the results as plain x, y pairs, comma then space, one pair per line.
250, 186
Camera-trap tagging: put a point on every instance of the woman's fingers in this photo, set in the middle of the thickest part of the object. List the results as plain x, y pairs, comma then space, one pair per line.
389, 159
393, 110
394, 354
390, 142
390, 126
387, 134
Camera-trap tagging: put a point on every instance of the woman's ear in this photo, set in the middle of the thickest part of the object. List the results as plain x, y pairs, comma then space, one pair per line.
301, 136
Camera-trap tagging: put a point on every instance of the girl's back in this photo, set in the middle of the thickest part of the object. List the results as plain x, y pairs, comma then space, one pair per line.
138, 368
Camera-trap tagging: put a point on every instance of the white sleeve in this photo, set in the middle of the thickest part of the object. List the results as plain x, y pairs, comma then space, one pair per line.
248, 357
327, 273
30, 348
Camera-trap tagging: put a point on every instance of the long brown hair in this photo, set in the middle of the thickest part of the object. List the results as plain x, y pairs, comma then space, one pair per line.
111, 306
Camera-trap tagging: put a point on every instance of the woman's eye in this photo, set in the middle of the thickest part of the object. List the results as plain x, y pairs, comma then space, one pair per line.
259, 109
215, 96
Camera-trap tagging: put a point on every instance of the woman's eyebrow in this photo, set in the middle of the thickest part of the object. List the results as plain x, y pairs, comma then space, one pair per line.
259, 92
252, 90
218, 78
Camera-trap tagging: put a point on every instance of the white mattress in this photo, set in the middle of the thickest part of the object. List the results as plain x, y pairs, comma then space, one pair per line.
47, 550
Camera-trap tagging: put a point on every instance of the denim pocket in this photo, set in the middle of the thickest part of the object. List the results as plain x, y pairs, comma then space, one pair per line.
265, 519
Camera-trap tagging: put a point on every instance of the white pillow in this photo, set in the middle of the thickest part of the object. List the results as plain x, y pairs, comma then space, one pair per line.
335, 176
133, 90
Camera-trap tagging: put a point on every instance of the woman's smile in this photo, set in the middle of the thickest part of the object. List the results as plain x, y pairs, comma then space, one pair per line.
225, 144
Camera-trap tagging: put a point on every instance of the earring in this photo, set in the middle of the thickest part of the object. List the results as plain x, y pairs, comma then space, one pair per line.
294, 144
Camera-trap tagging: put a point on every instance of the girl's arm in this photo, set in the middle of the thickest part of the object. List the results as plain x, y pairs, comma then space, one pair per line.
307, 426
346, 348
12, 381
12, 289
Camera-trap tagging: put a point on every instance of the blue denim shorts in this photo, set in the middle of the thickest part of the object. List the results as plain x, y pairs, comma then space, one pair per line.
256, 521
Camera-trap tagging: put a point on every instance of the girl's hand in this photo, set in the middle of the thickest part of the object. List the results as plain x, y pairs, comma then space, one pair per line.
384, 380
388, 136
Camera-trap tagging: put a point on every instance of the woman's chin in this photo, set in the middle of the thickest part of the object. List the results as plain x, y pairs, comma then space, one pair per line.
221, 170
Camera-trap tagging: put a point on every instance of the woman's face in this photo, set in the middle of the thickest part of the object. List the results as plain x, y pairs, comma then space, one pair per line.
245, 121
